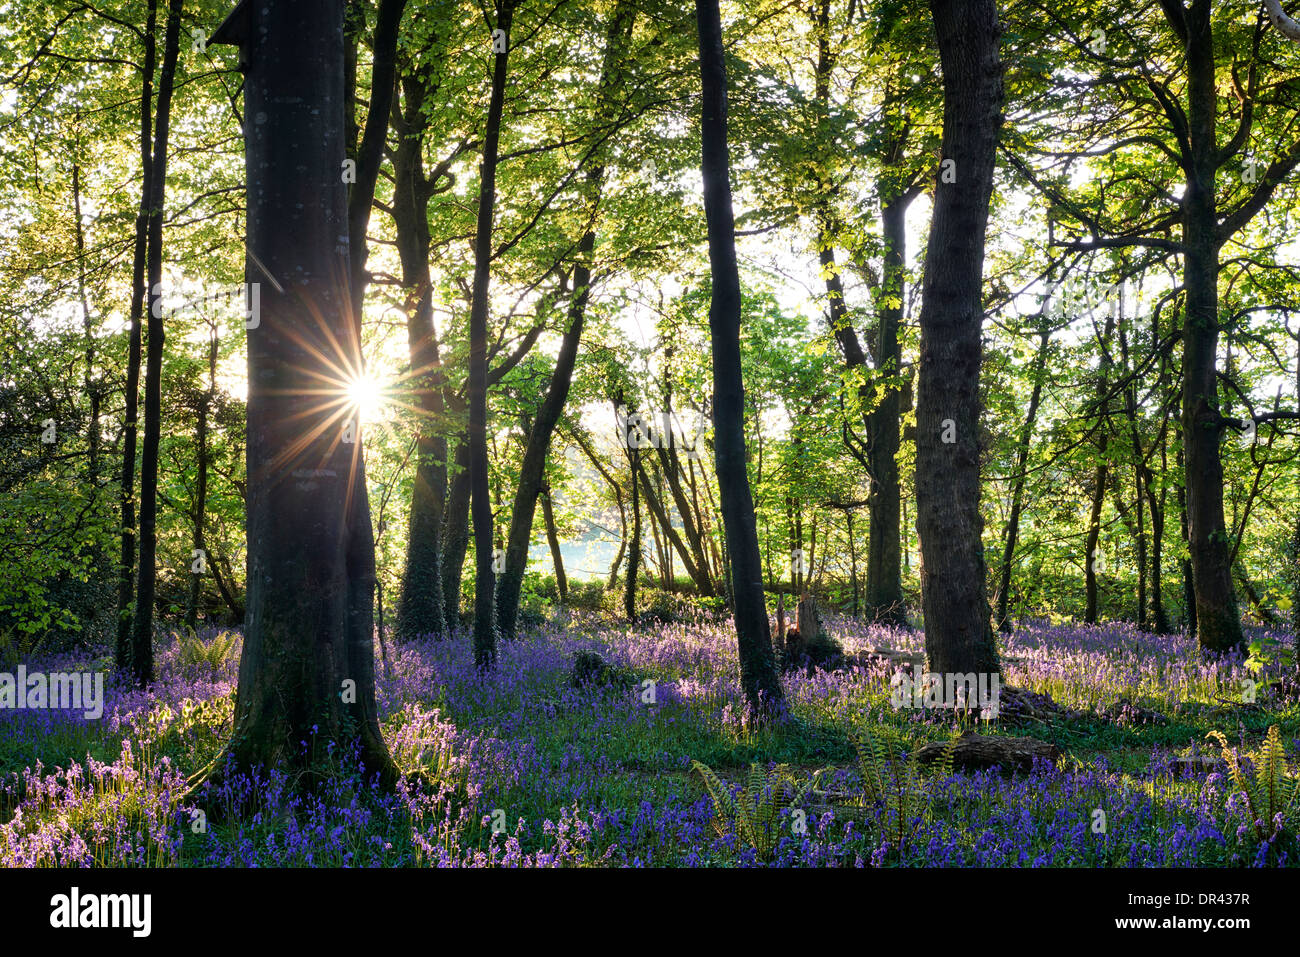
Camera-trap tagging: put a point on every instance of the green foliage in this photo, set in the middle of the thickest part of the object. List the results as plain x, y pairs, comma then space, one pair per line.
17, 647
195, 653
894, 783
1272, 795
1267, 652
586, 595
754, 813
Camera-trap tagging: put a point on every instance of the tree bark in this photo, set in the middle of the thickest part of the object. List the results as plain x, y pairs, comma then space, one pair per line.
485, 638
533, 468
147, 572
130, 426
370, 150
758, 674
884, 578
201, 484
659, 514
634, 550
531, 476
307, 672
421, 608
1217, 618
455, 533
958, 629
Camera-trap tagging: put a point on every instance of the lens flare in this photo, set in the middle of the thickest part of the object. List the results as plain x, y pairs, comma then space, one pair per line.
367, 394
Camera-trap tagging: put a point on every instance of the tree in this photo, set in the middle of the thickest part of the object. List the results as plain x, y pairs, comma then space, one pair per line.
1018, 485
758, 675
958, 633
307, 670
531, 472
142, 626
1154, 140
485, 648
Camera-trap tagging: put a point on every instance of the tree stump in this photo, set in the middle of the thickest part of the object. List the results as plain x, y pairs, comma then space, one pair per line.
808, 622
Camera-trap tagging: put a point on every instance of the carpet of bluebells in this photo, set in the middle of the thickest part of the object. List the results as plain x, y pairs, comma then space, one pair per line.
525, 768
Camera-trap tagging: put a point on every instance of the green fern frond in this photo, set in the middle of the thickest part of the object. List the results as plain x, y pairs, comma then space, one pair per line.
754, 814
896, 784
1274, 789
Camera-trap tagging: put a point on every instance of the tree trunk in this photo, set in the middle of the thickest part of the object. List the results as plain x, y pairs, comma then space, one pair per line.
421, 608
557, 559
455, 533
201, 484
1218, 622
485, 645
1094, 530
369, 152
1018, 491
853, 558
758, 674
89, 382
532, 470
884, 578
147, 572
700, 576
130, 428
958, 629
634, 550
1189, 579
670, 463
307, 672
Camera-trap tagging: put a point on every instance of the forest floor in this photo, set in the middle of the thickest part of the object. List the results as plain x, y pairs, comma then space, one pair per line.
528, 769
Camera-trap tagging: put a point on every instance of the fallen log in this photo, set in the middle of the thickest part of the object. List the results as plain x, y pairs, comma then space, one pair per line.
975, 752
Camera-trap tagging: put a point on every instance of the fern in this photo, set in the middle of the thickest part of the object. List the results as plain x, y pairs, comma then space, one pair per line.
754, 814
896, 785
193, 652
1273, 795
16, 647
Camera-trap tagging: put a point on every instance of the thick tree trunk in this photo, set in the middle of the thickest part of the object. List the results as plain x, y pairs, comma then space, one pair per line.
958, 629
1217, 618
1018, 489
147, 572
485, 638
307, 672
758, 674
